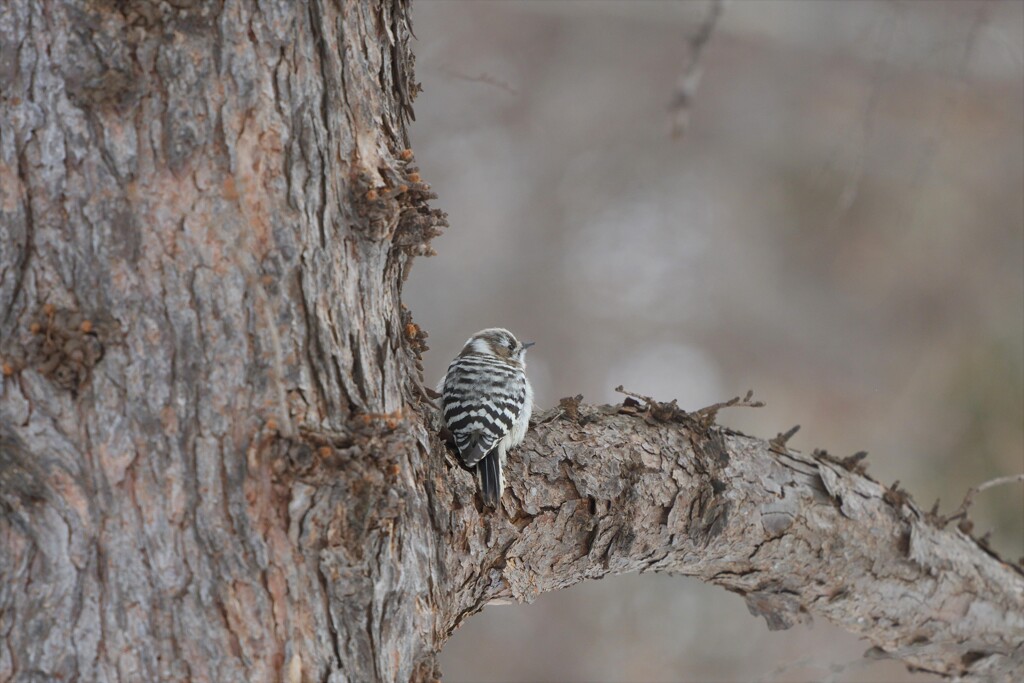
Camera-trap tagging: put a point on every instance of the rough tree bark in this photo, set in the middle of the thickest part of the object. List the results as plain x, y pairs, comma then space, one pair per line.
216, 463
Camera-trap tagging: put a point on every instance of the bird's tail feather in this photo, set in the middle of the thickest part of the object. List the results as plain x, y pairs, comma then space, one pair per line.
489, 471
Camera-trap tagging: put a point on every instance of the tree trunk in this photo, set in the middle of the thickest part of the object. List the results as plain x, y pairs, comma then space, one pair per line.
209, 459
216, 463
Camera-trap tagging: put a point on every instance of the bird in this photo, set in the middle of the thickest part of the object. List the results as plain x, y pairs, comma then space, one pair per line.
486, 403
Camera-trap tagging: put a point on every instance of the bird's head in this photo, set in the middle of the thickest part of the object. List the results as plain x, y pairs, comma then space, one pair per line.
496, 341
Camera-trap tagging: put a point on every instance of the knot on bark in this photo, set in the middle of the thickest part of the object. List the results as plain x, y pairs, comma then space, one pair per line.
64, 345
398, 209
781, 610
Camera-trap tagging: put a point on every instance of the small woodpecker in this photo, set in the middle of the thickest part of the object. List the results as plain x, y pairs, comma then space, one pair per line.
487, 401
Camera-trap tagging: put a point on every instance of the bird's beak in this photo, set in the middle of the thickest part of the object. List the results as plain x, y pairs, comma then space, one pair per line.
528, 344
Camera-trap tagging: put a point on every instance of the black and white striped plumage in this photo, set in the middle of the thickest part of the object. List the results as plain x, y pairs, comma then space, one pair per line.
487, 402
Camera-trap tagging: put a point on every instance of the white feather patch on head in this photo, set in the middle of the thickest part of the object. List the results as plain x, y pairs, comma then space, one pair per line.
481, 346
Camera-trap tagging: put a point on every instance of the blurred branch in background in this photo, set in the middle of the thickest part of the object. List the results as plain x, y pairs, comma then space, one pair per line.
689, 80
961, 512
484, 78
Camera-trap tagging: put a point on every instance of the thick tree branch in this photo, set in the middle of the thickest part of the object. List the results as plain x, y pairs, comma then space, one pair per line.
608, 492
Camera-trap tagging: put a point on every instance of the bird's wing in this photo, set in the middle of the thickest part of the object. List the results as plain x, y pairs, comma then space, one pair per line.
482, 400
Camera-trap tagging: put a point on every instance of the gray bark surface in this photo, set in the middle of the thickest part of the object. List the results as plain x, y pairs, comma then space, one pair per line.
215, 459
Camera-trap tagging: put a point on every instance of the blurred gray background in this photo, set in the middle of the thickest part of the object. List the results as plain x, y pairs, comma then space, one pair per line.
841, 229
